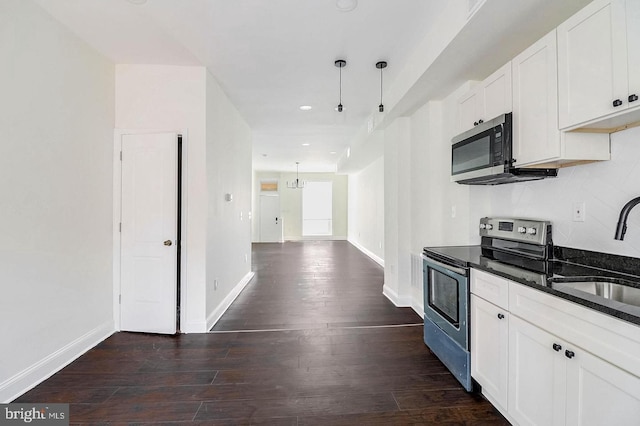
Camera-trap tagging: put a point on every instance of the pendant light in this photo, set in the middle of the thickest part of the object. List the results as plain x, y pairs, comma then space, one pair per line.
296, 184
381, 65
340, 63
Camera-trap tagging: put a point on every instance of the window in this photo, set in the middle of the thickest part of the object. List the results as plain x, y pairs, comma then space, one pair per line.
269, 186
317, 209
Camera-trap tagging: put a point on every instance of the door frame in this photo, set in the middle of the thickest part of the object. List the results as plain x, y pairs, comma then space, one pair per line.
117, 217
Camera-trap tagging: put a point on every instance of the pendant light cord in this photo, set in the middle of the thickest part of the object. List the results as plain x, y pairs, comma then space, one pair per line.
341, 84
381, 86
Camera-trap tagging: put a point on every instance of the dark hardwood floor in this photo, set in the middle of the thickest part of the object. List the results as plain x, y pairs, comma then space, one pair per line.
304, 344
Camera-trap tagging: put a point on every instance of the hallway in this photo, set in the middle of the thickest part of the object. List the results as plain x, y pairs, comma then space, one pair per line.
320, 357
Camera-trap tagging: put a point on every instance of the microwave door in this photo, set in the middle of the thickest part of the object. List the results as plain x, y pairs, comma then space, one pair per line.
476, 157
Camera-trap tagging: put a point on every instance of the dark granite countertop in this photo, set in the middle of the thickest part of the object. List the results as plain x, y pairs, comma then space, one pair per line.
568, 264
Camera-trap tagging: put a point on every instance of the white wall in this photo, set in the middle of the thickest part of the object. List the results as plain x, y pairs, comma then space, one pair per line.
397, 212
228, 237
291, 203
173, 98
56, 121
366, 210
217, 151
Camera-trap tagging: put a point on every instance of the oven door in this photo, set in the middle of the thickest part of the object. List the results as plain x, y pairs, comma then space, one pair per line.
446, 299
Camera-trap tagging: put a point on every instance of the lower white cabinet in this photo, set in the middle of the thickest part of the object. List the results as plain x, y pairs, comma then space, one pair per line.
535, 377
553, 382
489, 349
599, 393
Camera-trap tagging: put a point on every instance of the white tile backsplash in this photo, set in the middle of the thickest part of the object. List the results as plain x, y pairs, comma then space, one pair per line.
604, 187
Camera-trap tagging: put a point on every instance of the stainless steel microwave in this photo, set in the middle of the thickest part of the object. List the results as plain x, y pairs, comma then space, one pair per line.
484, 156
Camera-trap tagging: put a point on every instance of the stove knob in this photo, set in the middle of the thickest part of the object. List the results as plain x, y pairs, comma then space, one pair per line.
482, 226
532, 231
522, 229
489, 226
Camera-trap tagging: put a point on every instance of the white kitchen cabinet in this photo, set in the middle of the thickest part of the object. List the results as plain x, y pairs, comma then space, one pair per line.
548, 361
599, 393
486, 101
598, 63
537, 140
553, 382
535, 103
489, 349
536, 375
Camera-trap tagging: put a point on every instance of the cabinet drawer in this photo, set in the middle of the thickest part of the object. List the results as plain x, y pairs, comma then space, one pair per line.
491, 288
607, 337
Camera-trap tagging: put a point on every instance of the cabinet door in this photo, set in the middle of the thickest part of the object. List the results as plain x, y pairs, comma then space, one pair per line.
592, 67
496, 93
599, 393
489, 349
633, 49
535, 103
537, 372
469, 110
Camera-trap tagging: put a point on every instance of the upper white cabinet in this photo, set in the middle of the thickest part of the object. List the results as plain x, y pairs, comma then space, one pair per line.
535, 103
598, 63
487, 100
537, 140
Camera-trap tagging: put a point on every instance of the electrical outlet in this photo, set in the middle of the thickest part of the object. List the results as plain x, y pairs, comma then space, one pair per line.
215, 285
454, 211
246, 258
579, 211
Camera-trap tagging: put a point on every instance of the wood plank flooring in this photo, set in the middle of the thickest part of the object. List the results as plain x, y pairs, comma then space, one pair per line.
316, 356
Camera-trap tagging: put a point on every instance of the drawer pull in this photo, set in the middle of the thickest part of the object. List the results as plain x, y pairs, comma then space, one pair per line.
557, 347
569, 354
500, 316
617, 103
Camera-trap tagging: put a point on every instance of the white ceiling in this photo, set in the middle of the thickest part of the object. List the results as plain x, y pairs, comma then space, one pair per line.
270, 57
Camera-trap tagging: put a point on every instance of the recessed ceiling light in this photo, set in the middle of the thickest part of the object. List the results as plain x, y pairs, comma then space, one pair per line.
306, 144
264, 155
138, 2
306, 107
332, 152
346, 5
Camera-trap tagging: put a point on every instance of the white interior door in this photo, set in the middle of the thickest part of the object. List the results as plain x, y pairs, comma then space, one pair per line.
270, 219
149, 233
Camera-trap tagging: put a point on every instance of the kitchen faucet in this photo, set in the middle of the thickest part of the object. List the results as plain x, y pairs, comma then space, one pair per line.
621, 228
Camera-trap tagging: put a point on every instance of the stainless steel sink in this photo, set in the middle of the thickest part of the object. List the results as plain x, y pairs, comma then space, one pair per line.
607, 288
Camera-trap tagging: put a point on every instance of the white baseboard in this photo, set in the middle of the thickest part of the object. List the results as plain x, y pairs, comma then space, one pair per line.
193, 327
316, 238
368, 252
31, 376
392, 295
418, 308
213, 318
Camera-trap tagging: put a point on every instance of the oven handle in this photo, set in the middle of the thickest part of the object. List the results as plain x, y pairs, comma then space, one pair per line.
455, 269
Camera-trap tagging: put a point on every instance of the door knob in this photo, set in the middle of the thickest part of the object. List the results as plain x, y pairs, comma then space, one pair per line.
168, 243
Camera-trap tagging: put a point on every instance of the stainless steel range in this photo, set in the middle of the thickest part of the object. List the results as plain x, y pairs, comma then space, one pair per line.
521, 245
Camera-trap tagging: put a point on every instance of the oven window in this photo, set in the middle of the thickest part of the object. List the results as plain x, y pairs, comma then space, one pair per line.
443, 296
471, 156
